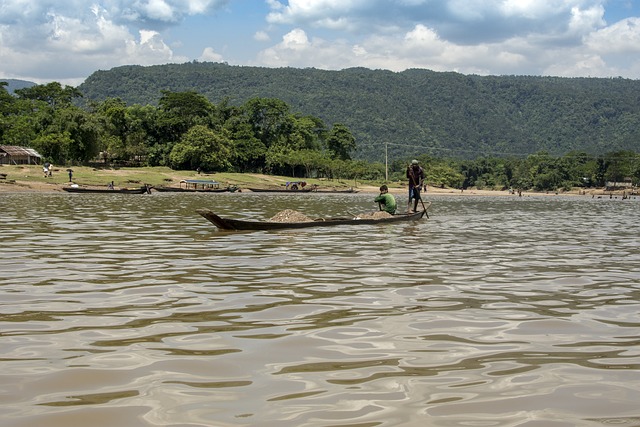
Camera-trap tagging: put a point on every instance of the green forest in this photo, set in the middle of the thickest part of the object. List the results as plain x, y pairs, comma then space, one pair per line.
185, 129
443, 114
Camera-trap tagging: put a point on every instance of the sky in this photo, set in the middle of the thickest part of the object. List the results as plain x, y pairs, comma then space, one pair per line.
67, 40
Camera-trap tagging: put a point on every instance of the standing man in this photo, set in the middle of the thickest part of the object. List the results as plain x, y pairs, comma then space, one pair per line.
70, 175
415, 174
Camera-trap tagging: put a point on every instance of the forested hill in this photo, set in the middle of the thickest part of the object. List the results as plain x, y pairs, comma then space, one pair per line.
13, 84
415, 111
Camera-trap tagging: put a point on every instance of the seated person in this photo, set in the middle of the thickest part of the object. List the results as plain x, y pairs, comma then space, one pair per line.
386, 200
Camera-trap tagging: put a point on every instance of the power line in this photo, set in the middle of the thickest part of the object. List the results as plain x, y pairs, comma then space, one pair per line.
632, 156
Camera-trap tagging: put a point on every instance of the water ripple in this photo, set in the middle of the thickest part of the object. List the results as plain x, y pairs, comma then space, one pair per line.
133, 310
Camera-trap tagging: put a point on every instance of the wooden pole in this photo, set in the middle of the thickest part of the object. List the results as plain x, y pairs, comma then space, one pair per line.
386, 163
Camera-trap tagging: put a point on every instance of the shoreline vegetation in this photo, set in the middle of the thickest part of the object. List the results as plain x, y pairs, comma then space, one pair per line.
30, 178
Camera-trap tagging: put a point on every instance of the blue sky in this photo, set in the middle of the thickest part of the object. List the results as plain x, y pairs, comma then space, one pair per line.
66, 41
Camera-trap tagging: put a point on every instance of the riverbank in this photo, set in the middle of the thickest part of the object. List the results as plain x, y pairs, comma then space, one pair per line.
30, 178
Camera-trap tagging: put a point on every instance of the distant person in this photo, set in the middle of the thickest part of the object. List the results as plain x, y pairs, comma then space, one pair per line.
386, 200
110, 186
70, 175
415, 174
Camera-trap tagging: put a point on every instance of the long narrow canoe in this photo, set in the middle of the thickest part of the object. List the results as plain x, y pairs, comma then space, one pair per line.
140, 190
278, 190
240, 225
303, 190
195, 190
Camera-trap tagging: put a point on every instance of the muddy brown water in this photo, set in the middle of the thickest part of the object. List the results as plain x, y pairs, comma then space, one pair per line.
132, 310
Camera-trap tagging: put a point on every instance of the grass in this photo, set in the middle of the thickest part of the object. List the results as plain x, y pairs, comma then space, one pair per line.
155, 176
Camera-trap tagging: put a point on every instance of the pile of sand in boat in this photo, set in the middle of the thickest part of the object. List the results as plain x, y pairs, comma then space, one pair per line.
290, 215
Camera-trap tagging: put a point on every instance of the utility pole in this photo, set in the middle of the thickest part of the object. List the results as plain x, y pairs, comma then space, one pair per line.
386, 163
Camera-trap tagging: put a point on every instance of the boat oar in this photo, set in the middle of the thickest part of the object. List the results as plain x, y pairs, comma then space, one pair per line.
424, 207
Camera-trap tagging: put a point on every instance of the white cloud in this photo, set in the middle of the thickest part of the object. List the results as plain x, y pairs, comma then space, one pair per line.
583, 21
469, 36
41, 39
621, 37
331, 14
422, 47
209, 55
295, 40
297, 50
261, 36
159, 10
67, 47
530, 9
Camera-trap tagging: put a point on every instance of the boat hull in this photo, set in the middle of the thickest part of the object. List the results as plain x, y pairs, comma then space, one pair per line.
239, 225
191, 190
141, 190
304, 190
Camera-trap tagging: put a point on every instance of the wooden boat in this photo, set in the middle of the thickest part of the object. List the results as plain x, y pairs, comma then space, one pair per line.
198, 186
279, 190
137, 190
303, 190
229, 189
239, 225
349, 190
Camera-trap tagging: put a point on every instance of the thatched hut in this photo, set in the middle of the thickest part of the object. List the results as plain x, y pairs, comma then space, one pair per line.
14, 155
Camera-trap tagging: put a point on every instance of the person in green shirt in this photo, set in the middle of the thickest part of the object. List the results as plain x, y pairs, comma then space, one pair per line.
387, 201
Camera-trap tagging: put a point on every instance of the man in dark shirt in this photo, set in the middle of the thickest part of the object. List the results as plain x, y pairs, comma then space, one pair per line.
415, 174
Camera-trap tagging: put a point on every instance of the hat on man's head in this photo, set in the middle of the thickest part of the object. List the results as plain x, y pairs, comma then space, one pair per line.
414, 162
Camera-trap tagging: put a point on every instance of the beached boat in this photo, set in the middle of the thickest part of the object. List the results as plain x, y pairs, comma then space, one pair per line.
302, 190
240, 225
348, 190
278, 190
197, 186
229, 189
137, 190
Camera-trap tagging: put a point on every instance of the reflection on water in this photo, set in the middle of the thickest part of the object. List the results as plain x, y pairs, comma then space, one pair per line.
121, 310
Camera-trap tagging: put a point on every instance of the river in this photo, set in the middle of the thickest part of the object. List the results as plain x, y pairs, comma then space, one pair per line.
132, 310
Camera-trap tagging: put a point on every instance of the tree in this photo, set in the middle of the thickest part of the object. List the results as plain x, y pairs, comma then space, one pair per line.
247, 151
203, 148
53, 94
341, 142
18, 130
82, 130
53, 146
620, 165
269, 119
305, 133
180, 111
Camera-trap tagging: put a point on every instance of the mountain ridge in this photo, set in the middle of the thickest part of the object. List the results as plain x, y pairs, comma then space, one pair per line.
416, 111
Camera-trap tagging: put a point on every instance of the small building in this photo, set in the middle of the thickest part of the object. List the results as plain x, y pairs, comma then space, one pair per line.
625, 184
14, 155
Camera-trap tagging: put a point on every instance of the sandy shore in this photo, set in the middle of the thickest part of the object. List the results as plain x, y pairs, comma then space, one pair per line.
17, 186
28, 180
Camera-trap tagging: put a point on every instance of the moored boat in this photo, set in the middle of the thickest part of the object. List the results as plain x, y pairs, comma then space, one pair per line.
243, 225
278, 190
162, 189
298, 191
197, 186
95, 190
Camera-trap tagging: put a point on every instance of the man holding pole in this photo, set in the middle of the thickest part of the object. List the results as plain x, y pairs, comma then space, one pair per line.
415, 174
